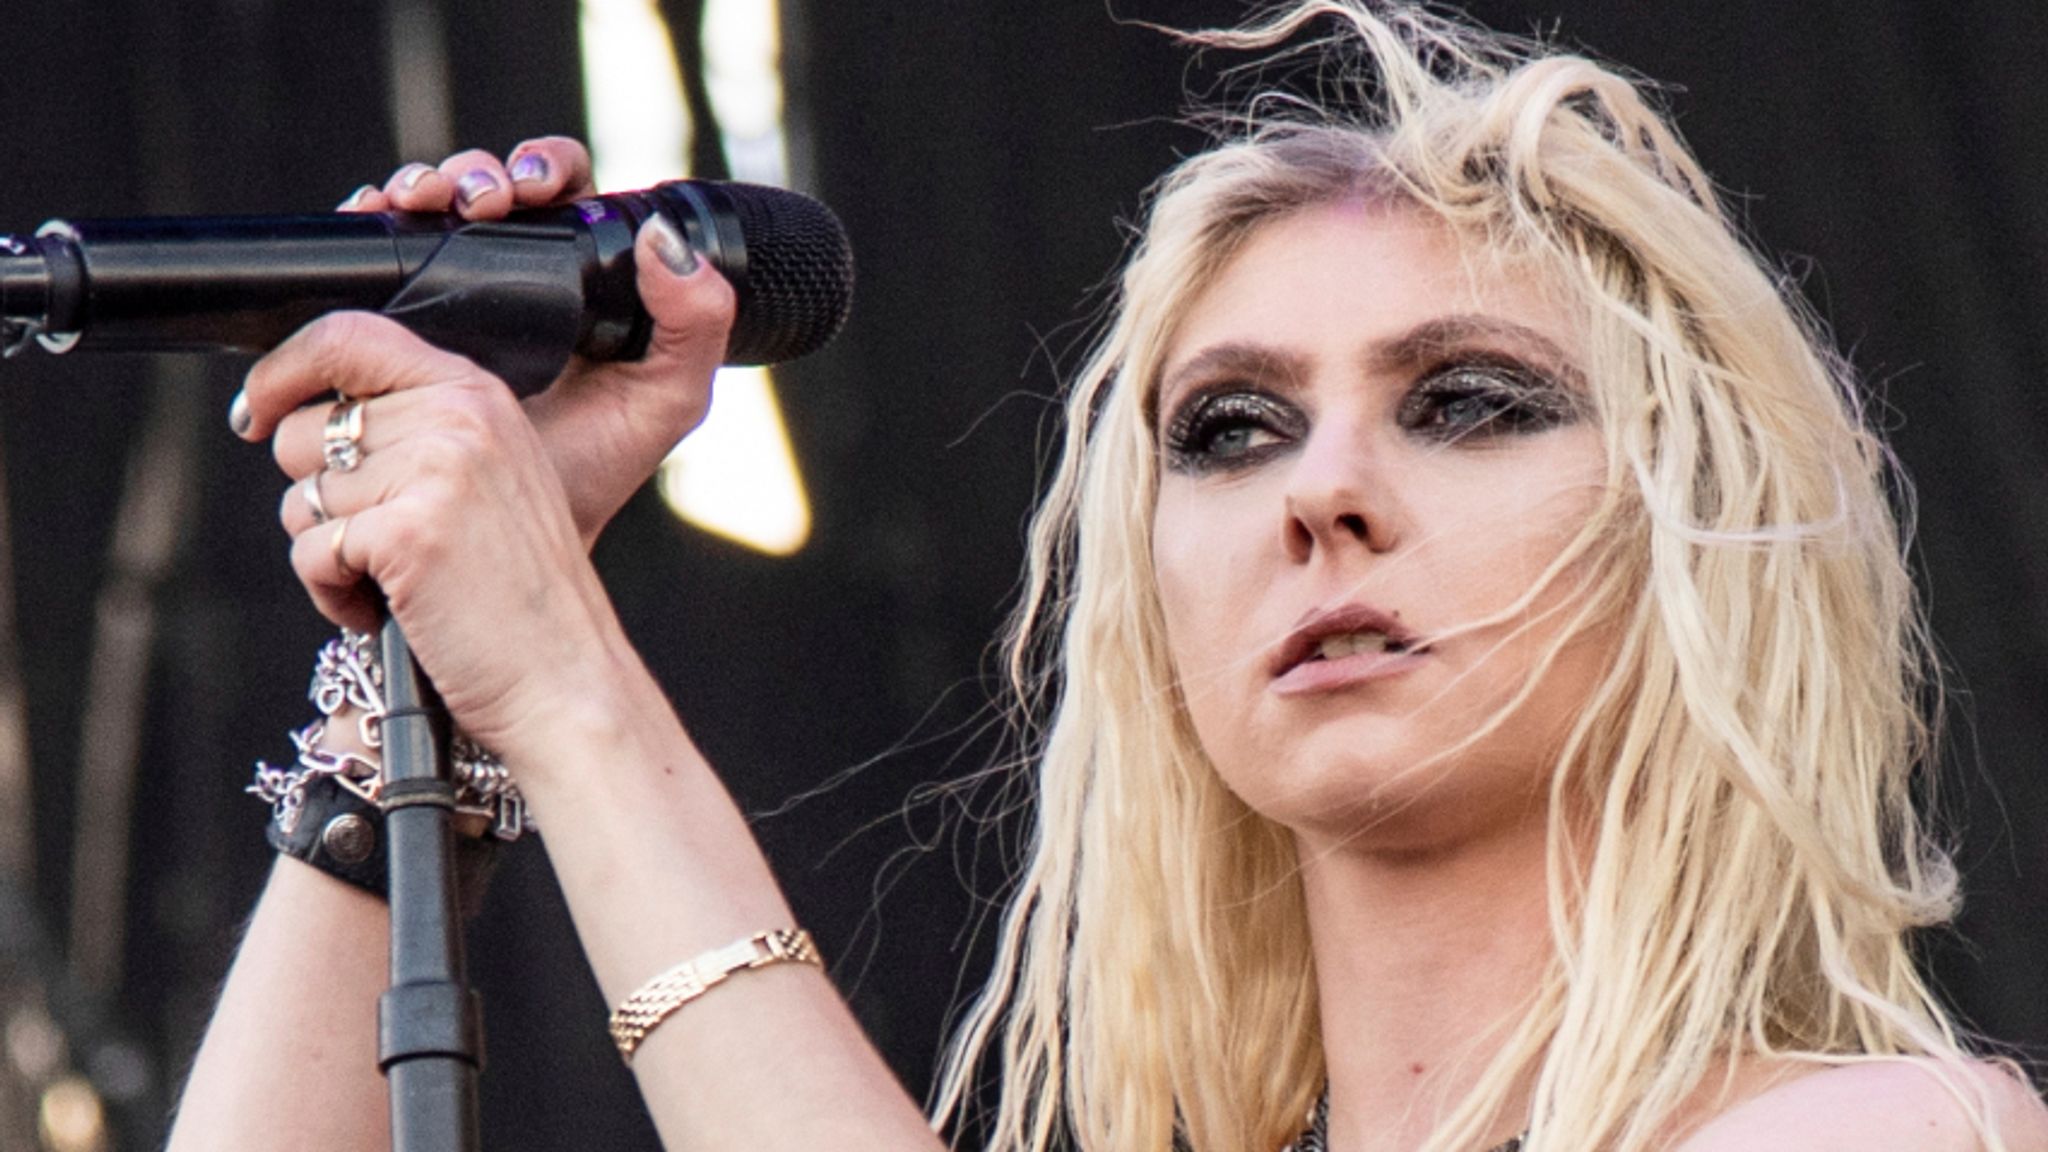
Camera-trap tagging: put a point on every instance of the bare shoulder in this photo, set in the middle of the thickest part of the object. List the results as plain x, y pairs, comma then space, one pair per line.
1884, 1106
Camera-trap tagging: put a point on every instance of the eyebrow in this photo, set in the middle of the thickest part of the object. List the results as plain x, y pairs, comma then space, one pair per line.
1432, 338
1235, 357
1427, 341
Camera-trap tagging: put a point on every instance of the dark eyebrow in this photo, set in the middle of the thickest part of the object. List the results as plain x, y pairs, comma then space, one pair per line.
1235, 358
1432, 339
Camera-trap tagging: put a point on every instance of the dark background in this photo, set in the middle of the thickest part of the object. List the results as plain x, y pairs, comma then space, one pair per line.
1890, 154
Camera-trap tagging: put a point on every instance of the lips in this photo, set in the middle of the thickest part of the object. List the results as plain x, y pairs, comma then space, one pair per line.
1295, 657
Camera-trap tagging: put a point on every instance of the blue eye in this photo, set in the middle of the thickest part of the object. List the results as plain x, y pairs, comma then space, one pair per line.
1236, 440
1485, 400
1222, 430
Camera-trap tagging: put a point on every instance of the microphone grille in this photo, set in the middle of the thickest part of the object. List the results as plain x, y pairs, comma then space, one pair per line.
799, 275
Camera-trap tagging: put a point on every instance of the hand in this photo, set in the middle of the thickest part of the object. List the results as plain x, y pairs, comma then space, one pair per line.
606, 426
469, 514
454, 520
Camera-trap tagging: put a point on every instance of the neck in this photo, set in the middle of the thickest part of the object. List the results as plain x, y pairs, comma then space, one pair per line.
1424, 962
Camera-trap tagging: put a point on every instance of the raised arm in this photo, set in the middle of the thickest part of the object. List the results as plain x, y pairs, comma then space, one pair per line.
473, 516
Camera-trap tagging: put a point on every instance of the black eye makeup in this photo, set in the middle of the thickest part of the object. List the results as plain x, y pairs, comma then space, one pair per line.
1226, 426
1485, 397
1474, 398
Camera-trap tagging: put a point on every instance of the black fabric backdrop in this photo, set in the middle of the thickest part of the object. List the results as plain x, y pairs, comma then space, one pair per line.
1890, 152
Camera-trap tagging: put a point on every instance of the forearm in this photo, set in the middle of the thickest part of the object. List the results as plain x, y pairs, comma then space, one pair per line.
450, 507
658, 866
290, 1057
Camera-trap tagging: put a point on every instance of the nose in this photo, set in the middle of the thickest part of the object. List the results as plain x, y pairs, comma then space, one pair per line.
1334, 499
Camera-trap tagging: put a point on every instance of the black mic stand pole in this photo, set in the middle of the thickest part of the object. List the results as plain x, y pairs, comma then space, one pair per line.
429, 1022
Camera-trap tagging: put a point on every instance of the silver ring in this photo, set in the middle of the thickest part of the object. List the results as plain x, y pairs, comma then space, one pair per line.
342, 443
315, 500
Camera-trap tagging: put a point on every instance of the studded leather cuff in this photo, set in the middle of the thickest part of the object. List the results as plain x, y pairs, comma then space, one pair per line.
339, 833
342, 834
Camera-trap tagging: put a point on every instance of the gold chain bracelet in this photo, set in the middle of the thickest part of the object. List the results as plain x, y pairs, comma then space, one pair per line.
641, 1012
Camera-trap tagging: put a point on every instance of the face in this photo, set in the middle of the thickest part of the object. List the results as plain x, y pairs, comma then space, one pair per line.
1373, 441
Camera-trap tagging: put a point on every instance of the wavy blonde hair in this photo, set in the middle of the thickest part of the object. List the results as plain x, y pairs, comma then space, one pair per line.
1154, 988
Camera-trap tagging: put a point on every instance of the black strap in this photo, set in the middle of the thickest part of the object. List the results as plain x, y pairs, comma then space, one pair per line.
342, 834
338, 832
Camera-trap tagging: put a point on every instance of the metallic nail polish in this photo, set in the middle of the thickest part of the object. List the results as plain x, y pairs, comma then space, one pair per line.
675, 252
239, 417
475, 185
529, 168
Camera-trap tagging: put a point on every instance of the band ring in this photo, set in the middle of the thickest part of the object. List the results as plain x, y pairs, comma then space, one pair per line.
337, 545
342, 441
315, 500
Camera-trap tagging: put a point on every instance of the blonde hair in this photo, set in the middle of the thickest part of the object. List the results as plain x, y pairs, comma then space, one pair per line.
1153, 988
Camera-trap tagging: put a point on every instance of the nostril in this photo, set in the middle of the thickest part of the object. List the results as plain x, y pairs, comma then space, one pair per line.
1300, 541
1352, 523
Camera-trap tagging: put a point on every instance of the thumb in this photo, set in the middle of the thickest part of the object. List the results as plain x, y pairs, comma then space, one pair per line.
692, 305
607, 425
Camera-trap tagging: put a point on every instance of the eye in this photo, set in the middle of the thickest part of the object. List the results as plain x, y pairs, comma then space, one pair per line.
1485, 400
1222, 430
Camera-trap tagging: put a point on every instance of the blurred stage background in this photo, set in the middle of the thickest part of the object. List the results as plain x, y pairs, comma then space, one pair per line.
1891, 153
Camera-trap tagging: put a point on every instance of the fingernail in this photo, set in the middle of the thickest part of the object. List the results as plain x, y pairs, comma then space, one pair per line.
356, 197
529, 168
411, 175
239, 417
475, 185
675, 252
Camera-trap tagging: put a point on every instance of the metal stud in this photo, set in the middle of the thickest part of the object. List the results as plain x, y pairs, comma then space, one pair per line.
348, 838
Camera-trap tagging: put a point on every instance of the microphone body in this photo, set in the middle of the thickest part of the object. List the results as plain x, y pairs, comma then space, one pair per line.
519, 295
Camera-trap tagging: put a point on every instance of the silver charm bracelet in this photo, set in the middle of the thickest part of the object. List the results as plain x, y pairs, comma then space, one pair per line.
348, 675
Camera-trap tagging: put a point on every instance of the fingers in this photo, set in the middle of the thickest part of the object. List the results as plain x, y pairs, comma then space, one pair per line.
368, 198
479, 410
357, 354
482, 186
306, 504
478, 186
424, 453
321, 494
325, 560
550, 169
471, 183
419, 188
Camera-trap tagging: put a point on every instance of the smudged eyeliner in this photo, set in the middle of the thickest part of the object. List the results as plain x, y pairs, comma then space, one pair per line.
1229, 425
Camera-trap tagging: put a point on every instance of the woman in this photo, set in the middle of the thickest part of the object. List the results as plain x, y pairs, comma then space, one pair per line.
1484, 697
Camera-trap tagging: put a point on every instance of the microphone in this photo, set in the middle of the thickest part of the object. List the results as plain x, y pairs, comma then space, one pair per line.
518, 295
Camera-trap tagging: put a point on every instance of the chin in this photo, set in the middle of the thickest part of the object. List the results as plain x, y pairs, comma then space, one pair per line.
1404, 795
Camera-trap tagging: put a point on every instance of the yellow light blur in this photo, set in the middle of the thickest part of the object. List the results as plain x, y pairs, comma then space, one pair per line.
639, 124
743, 76
70, 1117
736, 475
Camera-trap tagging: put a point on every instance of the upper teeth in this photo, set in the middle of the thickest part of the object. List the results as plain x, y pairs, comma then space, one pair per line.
1350, 644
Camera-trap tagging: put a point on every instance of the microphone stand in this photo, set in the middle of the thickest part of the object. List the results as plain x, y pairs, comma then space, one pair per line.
429, 1022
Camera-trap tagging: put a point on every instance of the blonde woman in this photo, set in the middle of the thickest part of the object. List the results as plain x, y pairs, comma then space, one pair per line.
1482, 702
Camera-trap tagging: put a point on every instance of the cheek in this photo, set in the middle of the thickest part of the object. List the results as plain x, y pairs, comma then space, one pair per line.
1184, 592
1508, 563
1502, 530
1208, 569
1205, 548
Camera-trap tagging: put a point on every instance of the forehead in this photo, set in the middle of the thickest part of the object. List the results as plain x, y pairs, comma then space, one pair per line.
1344, 277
